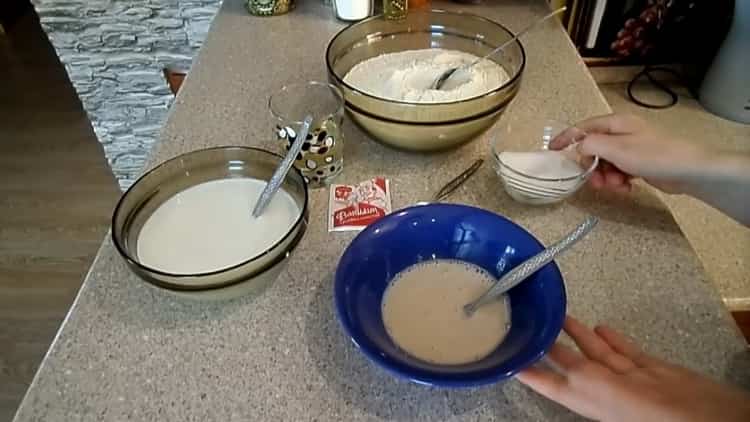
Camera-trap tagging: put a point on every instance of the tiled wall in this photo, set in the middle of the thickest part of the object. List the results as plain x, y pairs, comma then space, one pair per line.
114, 52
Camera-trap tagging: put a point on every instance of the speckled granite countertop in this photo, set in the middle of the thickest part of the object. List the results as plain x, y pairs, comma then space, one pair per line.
127, 351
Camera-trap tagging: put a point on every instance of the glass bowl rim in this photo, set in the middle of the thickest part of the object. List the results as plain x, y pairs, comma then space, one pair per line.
510, 82
581, 176
119, 244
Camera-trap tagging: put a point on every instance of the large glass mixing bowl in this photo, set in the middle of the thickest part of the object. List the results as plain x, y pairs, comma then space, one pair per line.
433, 126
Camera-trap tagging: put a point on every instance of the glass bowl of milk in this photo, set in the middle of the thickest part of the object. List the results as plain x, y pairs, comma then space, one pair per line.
187, 226
538, 175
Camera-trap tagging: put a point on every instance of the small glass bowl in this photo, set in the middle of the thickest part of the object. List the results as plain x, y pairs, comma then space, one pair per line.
536, 189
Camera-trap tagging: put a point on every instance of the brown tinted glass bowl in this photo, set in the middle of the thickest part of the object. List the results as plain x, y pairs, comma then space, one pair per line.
175, 175
434, 126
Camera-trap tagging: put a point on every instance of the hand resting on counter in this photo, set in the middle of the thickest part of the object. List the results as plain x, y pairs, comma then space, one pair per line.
610, 378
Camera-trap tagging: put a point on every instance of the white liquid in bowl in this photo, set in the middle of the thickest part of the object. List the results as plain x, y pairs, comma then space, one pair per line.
210, 226
423, 312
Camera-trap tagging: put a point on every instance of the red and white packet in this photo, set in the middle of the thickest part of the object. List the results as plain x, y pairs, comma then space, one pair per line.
355, 207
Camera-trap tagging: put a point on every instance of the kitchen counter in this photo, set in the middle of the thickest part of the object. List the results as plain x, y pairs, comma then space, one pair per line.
128, 351
728, 266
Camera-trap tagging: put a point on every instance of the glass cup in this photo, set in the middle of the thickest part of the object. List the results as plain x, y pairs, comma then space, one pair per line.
269, 7
322, 155
395, 9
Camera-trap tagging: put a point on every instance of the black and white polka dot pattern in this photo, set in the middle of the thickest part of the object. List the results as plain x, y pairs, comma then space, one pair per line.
320, 159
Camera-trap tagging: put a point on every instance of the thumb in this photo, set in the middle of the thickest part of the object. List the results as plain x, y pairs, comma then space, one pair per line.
611, 124
612, 148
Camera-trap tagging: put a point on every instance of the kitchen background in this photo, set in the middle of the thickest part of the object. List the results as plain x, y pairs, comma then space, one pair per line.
57, 194
114, 52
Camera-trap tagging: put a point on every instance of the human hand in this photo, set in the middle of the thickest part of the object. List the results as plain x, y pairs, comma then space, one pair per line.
628, 147
611, 379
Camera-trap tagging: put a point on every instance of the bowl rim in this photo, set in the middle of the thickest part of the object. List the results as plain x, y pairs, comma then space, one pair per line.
436, 380
495, 109
583, 175
118, 242
282, 118
509, 82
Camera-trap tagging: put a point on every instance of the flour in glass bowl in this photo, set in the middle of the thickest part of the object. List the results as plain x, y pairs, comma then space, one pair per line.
407, 76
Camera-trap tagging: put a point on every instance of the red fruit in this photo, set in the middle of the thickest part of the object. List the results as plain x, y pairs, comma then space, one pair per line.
630, 23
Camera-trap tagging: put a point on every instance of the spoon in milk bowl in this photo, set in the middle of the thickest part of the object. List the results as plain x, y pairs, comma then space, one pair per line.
520, 273
277, 179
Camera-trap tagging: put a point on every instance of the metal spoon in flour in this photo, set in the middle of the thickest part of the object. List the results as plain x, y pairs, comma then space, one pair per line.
279, 175
531, 265
440, 81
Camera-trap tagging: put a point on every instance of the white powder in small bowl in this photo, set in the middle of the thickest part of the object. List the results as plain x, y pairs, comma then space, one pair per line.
521, 172
408, 75
543, 164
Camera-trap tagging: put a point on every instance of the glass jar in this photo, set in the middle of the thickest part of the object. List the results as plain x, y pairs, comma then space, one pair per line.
352, 10
395, 9
269, 7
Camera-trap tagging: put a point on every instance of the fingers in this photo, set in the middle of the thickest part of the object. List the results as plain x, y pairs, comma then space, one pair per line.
610, 177
545, 382
585, 161
616, 180
603, 136
595, 348
560, 389
615, 155
597, 179
549, 382
622, 345
566, 138
564, 357
613, 177
611, 124
608, 147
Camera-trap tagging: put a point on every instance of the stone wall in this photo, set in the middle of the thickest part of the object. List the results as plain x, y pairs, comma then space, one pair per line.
114, 52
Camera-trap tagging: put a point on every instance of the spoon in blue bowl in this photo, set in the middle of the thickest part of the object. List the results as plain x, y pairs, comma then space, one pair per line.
521, 272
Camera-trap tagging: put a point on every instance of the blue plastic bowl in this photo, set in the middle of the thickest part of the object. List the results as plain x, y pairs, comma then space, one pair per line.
445, 231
